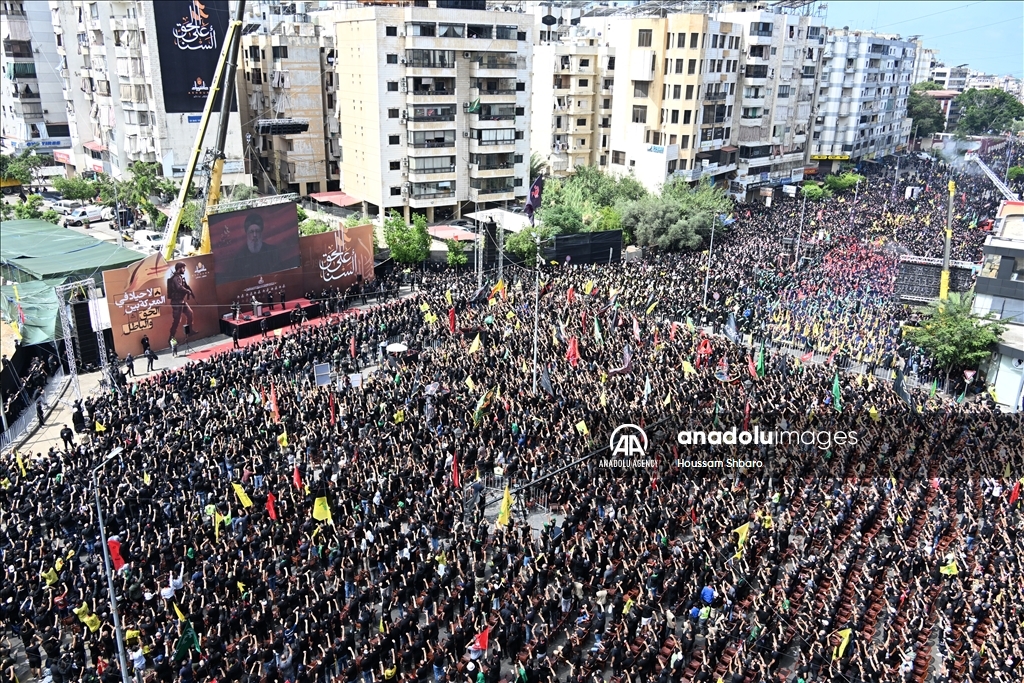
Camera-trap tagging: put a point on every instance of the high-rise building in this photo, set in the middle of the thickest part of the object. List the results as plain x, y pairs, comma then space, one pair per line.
950, 77
982, 81
288, 92
925, 59
862, 97
130, 89
32, 115
779, 70
572, 118
434, 108
675, 92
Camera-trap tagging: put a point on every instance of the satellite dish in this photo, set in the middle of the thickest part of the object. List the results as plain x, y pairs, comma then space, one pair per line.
548, 20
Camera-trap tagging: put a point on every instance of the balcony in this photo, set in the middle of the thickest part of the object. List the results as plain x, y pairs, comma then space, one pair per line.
490, 170
24, 94
431, 118
714, 96
124, 23
481, 66
493, 95
427, 199
433, 173
506, 193
432, 144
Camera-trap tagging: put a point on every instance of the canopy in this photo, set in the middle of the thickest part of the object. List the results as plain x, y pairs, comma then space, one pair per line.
451, 232
38, 250
38, 306
337, 198
508, 220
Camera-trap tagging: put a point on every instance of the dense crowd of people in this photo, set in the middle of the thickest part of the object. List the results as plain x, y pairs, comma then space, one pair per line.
348, 532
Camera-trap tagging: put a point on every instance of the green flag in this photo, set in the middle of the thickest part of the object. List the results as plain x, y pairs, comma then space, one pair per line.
760, 361
962, 397
716, 414
836, 394
187, 641
474, 106
935, 388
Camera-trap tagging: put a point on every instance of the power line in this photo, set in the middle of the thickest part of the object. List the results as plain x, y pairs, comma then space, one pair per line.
996, 23
905, 21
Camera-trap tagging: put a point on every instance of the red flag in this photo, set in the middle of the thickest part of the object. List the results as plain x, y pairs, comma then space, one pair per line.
451, 320
570, 294
693, 516
672, 332
655, 336
583, 315
807, 357
481, 640
115, 554
352, 346
636, 329
297, 478
271, 498
832, 355
273, 403
746, 417
331, 397
751, 367
455, 471
573, 354
1015, 493
263, 397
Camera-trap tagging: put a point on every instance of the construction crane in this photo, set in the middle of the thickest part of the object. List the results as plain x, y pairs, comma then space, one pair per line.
996, 180
223, 84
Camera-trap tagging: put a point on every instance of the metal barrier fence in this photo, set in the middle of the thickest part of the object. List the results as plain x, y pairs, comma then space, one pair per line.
27, 420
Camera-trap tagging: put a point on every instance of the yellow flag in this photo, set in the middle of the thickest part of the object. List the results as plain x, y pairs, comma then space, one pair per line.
742, 531
21, 463
145, 478
841, 648
241, 587
651, 307
424, 307
471, 384
505, 512
1006, 471
581, 427
873, 412
589, 287
604, 399
668, 399
491, 302
525, 369
475, 346
100, 427
950, 569
282, 439
448, 297
242, 497
399, 417
510, 315
688, 369
322, 511
177, 611
93, 622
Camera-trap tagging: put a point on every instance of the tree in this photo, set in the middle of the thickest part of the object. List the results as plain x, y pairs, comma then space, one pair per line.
954, 336
408, 245
987, 111
313, 226
537, 164
1015, 172
242, 192
6, 210
926, 113
843, 182
524, 245
925, 86
75, 188
50, 216
20, 168
607, 218
456, 253
301, 214
660, 222
815, 192
563, 219
30, 208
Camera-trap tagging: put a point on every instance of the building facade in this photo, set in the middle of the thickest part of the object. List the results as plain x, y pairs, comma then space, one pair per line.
572, 119
780, 67
288, 90
112, 81
674, 98
434, 111
32, 112
950, 77
925, 59
983, 81
862, 98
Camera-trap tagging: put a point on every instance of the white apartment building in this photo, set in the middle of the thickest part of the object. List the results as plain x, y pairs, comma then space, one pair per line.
925, 59
32, 113
288, 91
572, 119
433, 105
779, 70
982, 81
950, 77
113, 82
675, 94
862, 97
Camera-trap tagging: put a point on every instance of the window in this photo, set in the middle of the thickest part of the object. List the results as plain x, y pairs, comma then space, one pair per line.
684, 143
752, 112
392, 113
432, 164
280, 51
480, 31
643, 38
679, 66
691, 67
639, 114
757, 71
392, 59
689, 92
432, 138
394, 140
677, 92
584, 82
391, 30
396, 191
641, 88
693, 40
672, 166
581, 122
606, 103
452, 30
395, 165
603, 161
506, 33
618, 157
675, 116
392, 86
435, 59
611, 64
761, 28
423, 29
584, 63
814, 32
520, 87
686, 116
783, 91
500, 136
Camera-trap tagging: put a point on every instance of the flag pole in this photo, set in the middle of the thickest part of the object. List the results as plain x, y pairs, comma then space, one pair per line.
122, 660
536, 310
707, 275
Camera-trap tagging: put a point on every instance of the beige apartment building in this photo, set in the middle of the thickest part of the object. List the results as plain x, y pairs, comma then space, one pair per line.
288, 91
674, 96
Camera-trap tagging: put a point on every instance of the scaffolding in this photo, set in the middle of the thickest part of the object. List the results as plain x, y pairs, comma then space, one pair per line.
63, 292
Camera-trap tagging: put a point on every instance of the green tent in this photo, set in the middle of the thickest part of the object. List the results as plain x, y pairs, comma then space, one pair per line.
32, 250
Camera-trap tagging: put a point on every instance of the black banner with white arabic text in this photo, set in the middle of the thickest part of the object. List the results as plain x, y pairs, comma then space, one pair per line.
190, 36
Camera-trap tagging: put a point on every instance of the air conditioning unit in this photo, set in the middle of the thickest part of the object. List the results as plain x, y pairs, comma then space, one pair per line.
405, 115
465, 55
465, 106
465, 133
402, 34
402, 60
405, 162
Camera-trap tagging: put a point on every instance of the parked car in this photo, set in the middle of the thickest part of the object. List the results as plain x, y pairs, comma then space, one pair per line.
148, 239
65, 206
84, 216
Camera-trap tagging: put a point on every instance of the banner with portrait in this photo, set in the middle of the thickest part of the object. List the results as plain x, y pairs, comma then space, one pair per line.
337, 259
190, 36
158, 299
255, 242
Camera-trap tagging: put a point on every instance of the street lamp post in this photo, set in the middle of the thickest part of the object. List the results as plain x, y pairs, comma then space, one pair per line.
123, 661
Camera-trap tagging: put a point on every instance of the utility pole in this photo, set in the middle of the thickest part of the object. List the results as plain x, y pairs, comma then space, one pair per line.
122, 660
944, 280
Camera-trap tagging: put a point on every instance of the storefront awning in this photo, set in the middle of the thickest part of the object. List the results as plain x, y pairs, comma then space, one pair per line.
95, 145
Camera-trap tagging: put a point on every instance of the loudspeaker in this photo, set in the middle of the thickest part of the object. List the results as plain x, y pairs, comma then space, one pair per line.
188, 329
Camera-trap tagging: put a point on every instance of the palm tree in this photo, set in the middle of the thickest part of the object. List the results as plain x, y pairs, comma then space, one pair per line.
537, 165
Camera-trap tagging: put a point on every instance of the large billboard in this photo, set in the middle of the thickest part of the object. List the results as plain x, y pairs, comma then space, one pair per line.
254, 243
190, 35
158, 299
337, 259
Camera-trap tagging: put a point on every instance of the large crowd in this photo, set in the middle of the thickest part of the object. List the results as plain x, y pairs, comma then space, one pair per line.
348, 532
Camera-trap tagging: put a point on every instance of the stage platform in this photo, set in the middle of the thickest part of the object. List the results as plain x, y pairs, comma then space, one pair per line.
249, 325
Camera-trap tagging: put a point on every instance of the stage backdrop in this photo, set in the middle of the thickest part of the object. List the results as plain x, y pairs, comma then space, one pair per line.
254, 242
137, 299
190, 35
337, 259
